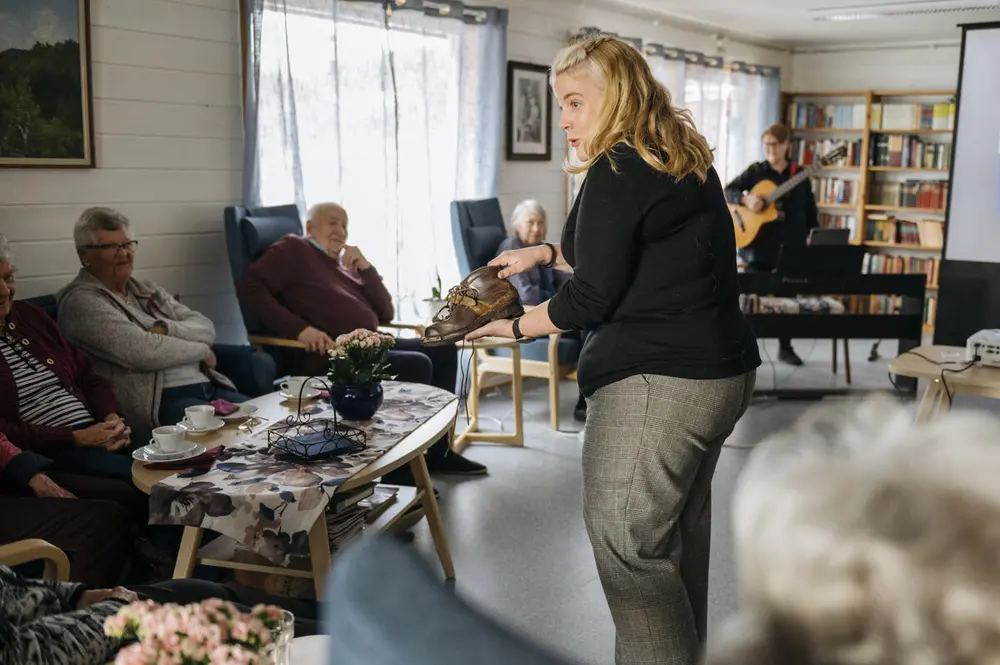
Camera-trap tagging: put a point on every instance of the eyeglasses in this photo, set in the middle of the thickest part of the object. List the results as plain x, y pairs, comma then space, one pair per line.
114, 248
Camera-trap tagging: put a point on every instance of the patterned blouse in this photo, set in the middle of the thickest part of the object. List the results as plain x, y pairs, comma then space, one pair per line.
42, 399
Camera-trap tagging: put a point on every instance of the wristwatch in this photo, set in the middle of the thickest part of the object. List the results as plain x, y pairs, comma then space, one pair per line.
518, 336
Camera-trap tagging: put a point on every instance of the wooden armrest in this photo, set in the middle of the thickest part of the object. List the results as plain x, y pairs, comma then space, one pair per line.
399, 325
264, 340
35, 549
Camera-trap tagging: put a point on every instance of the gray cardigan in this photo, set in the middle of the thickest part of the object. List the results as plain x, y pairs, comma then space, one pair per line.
119, 342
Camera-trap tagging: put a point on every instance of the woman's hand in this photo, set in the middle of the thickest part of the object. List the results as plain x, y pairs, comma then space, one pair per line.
516, 261
43, 487
108, 435
94, 596
499, 328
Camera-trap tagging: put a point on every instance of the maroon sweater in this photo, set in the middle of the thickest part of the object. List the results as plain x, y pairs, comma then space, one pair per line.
294, 284
46, 343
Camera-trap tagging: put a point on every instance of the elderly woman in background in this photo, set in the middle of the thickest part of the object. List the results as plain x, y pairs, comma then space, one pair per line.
537, 285
863, 538
156, 352
51, 400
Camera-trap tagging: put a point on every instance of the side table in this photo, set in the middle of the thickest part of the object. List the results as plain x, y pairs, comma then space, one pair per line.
471, 433
947, 374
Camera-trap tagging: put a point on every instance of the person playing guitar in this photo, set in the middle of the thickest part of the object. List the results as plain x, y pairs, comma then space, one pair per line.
798, 212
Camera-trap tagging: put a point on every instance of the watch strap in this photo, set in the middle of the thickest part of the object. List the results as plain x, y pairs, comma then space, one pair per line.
518, 335
552, 261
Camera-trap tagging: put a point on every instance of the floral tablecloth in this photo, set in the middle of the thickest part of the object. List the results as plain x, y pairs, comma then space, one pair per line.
270, 502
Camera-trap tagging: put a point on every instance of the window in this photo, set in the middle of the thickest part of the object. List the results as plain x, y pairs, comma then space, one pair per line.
371, 116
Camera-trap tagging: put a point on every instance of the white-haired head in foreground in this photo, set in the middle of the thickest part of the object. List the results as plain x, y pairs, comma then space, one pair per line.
863, 538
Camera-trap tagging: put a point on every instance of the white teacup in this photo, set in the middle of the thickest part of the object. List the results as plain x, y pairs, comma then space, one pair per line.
168, 439
200, 415
294, 385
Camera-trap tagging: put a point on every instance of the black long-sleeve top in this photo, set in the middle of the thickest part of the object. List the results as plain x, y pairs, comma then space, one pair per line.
654, 277
798, 208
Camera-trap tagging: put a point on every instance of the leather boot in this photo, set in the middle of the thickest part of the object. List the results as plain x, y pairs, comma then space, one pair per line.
480, 298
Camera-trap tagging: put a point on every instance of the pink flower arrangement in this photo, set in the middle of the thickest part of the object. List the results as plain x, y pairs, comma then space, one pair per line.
213, 631
360, 357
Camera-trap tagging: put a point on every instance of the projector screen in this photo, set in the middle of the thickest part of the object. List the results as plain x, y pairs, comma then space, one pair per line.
974, 209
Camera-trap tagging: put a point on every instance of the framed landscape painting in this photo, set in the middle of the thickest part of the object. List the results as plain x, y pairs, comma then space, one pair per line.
45, 102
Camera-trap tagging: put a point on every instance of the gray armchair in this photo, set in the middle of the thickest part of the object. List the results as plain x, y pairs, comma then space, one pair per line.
386, 607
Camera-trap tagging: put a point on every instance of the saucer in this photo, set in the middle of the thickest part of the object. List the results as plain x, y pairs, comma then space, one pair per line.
191, 429
245, 411
153, 451
144, 454
308, 393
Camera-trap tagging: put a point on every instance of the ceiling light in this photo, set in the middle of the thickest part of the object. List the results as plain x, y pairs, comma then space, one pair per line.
869, 12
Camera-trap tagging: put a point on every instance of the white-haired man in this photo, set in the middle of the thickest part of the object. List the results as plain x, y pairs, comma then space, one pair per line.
863, 538
315, 287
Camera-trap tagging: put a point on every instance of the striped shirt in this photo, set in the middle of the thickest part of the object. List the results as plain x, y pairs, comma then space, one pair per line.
42, 399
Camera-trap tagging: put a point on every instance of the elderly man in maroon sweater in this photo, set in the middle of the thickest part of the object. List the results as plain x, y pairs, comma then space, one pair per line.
316, 287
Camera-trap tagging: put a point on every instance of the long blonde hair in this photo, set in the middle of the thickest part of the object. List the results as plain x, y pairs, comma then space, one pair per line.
637, 110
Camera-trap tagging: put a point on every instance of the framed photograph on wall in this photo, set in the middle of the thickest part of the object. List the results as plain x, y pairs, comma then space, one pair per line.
46, 112
529, 112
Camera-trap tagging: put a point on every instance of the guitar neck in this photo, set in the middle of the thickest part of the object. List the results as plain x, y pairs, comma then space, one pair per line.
791, 183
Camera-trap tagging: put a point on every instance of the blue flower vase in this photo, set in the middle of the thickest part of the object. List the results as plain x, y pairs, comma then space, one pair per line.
356, 402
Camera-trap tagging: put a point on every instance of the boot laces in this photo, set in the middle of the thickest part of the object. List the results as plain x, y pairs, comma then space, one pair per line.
455, 296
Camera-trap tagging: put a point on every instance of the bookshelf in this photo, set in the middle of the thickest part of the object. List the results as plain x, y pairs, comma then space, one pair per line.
892, 188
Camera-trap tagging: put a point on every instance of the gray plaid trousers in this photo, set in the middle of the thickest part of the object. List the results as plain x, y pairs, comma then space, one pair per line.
651, 444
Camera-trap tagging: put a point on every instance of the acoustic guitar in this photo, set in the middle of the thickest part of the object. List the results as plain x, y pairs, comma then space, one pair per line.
748, 223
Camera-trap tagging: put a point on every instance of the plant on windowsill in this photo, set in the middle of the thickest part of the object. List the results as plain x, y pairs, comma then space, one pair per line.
437, 299
358, 364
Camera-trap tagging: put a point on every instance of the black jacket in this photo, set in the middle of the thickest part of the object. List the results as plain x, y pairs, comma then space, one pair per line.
798, 206
654, 280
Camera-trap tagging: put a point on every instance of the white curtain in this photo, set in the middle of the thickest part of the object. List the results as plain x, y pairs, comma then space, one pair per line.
705, 95
732, 107
669, 72
393, 116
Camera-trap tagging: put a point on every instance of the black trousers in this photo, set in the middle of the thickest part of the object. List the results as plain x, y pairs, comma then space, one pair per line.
188, 591
96, 534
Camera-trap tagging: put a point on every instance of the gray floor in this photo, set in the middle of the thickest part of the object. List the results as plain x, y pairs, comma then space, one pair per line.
517, 535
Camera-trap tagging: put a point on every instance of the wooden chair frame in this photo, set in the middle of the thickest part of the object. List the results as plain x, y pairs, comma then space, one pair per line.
35, 549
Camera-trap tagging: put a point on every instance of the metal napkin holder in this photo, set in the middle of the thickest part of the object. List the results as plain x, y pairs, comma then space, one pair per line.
312, 439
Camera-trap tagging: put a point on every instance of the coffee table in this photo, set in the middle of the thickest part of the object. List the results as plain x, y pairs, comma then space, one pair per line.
410, 450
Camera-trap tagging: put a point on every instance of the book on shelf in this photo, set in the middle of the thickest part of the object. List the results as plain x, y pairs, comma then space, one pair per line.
890, 229
380, 501
840, 221
926, 194
343, 500
806, 152
834, 191
889, 264
810, 115
908, 151
930, 309
909, 116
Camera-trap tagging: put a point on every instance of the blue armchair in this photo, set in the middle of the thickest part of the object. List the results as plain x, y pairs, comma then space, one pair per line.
249, 232
477, 230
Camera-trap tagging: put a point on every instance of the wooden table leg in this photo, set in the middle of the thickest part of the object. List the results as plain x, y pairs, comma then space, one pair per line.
319, 554
423, 479
931, 400
187, 553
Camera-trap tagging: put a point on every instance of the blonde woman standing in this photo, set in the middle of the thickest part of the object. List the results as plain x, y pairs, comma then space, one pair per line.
669, 365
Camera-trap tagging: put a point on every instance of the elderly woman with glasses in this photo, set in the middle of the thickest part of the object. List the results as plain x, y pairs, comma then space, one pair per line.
156, 352
51, 400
